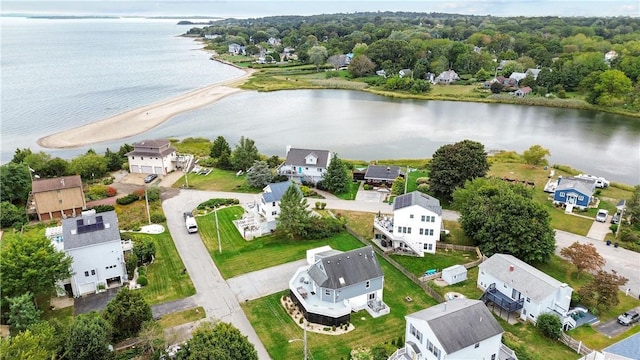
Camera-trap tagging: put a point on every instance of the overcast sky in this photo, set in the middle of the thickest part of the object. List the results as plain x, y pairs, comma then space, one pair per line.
259, 8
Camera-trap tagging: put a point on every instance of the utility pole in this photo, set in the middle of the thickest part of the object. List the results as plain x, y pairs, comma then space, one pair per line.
406, 180
146, 200
218, 230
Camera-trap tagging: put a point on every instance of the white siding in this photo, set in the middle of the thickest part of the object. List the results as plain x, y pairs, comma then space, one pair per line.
105, 259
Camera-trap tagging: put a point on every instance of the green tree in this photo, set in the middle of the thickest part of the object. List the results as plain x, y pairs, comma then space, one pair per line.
317, 56
219, 147
16, 183
222, 341
584, 256
535, 155
453, 164
38, 272
30, 344
503, 218
611, 85
336, 179
294, 214
11, 215
360, 66
259, 175
397, 188
550, 326
602, 292
37, 161
22, 312
144, 249
89, 166
126, 313
20, 154
633, 206
55, 168
89, 338
244, 154
114, 160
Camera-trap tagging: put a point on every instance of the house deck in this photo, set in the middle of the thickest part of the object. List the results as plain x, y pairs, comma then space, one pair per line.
501, 300
311, 300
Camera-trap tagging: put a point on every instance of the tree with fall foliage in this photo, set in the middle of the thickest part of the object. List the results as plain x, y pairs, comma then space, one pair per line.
584, 256
602, 292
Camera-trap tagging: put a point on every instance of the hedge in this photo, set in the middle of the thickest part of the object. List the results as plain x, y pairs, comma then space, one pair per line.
126, 200
213, 203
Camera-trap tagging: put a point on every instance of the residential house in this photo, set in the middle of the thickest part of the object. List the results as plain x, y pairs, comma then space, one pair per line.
507, 81
533, 72
456, 329
522, 92
236, 49
378, 175
573, 192
405, 73
93, 241
515, 286
335, 283
261, 216
447, 77
610, 56
454, 274
57, 198
517, 76
502, 64
414, 227
305, 165
272, 41
152, 157
211, 36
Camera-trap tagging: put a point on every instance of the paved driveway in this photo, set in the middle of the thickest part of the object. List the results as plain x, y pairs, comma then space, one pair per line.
611, 328
599, 230
257, 284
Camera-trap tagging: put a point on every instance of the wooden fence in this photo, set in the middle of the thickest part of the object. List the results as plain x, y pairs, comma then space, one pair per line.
574, 344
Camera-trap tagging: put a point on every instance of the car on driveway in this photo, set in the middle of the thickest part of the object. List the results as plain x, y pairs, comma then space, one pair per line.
629, 318
150, 178
602, 214
615, 218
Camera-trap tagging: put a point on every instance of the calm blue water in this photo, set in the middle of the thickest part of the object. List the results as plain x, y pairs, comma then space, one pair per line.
59, 74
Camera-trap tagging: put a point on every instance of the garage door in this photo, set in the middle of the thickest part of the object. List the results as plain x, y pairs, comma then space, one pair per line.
135, 169
87, 288
147, 170
157, 170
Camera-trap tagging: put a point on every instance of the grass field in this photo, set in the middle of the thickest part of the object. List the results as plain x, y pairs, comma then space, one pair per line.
182, 317
134, 215
595, 340
440, 260
468, 288
167, 281
217, 180
196, 146
266, 314
240, 256
353, 190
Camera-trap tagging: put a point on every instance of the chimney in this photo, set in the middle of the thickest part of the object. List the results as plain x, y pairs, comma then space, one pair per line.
511, 267
388, 169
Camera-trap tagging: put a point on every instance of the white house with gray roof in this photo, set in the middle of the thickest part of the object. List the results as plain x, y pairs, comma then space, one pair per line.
382, 174
456, 329
305, 165
152, 157
335, 283
415, 225
93, 241
261, 215
515, 286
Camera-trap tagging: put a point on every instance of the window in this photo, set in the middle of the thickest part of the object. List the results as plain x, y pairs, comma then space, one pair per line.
273, 203
493, 356
421, 231
425, 246
581, 198
423, 218
410, 216
562, 194
319, 170
327, 292
86, 273
477, 345
367, 284
409, 230
274, 213
141, 157
93, 272
528, 300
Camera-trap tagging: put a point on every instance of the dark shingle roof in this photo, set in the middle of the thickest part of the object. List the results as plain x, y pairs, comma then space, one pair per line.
459, 323
381, 172
345, 269
151, 148
297, 157
417, 198
90, 229
277, 190
58, 183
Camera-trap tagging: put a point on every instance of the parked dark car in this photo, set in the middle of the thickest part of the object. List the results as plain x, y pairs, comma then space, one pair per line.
150, 178
629, 318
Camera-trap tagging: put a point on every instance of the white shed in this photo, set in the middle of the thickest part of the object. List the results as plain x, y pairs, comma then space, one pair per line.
454, 274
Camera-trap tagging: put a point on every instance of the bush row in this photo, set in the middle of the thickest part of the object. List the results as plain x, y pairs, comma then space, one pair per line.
213, 203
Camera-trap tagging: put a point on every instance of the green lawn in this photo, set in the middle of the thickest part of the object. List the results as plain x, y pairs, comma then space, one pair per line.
526, 338
266, 314
353, 190
196, 146
182, 317
468, 288
217, 180
442, 259
413, 176
167, 281
595, 340
563, 271
240, 256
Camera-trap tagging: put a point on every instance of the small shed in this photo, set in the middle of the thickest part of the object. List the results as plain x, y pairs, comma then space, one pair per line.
454, 274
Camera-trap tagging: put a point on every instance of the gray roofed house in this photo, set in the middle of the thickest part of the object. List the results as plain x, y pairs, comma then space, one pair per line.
90, 229
338, 283
155, 156
274, 191
378, 174
305, 165
576, 192
512, 282
417, 198
261, 216
456, 329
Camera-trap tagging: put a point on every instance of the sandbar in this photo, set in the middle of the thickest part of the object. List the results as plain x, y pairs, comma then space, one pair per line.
137, 121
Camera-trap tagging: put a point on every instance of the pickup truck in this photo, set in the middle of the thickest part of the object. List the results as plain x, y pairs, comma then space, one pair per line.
190, 223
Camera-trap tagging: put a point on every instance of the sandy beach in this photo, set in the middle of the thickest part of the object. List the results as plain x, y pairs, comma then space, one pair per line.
137, 121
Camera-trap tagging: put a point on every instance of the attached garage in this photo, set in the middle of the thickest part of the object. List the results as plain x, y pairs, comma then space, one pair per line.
87, 288
158, 170
134, 169
147, 170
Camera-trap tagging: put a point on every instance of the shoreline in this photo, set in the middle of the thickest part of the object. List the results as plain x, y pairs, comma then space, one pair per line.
139, 120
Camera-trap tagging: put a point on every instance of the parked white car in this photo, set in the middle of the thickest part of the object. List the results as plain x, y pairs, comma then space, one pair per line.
602, 215
600, 181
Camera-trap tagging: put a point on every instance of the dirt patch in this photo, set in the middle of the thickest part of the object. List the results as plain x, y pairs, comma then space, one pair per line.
296, 315
60, 302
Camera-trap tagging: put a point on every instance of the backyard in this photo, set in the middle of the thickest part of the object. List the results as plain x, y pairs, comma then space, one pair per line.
217, 180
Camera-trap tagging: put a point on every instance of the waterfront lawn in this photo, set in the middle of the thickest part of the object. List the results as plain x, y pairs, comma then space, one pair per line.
217, 180
182, 317
413, 176
195, 146
240, 256
440, 260
167, 281
266, 314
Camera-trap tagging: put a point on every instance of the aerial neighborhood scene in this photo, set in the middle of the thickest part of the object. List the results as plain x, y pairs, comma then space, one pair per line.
365, 180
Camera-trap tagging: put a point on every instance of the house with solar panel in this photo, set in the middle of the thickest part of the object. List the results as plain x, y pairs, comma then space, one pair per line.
305, 165
334, 284
414, 228
456, 329
93, 241
261, 215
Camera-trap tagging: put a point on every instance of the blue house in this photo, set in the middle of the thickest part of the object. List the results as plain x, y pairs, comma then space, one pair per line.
574, 192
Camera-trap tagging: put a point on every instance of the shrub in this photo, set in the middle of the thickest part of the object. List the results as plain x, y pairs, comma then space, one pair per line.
422, 180
97, 192
323, 205
306, 191
108, 181
549, 325
301, 320
142, 280
157, 218
213, 203
318, 204
153, 194
139, 193
423, 188
367, 187
126, 200
321, 228
111, 191
131, 262
103, 208
207, 162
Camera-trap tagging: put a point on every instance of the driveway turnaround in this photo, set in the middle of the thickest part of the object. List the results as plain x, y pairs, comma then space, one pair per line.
256, 284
